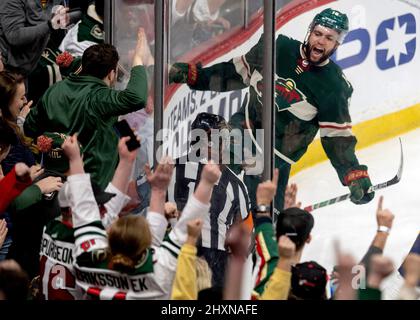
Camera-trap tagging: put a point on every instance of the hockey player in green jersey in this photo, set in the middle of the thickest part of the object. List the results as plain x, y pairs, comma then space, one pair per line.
311, 94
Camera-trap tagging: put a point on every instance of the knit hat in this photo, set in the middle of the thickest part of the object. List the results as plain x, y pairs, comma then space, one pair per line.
309, 280
53, 157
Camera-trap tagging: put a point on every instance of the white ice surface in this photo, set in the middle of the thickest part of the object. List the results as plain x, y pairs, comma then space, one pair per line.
355, 226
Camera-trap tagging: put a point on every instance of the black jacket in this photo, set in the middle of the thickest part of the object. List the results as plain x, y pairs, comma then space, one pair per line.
18, 153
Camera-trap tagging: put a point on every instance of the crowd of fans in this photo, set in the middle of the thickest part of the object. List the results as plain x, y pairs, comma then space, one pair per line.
69, 228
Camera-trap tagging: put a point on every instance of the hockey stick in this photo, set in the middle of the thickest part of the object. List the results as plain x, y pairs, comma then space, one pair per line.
379, 186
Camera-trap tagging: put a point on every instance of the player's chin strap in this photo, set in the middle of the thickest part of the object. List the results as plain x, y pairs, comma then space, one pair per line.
382, 185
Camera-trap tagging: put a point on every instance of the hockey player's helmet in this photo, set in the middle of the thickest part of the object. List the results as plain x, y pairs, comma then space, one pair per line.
208, 121
332, 19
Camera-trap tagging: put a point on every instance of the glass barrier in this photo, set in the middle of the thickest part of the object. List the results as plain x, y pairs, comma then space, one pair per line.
365, 92
201, 32
129, 16
193, 23
335, 115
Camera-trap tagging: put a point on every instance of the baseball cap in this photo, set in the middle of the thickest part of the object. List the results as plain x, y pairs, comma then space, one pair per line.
309, 280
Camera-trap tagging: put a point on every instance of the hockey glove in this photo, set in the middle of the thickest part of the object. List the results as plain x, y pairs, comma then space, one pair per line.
181, 72
359, 183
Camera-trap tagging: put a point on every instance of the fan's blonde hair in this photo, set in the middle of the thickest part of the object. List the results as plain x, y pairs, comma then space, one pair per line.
129, 238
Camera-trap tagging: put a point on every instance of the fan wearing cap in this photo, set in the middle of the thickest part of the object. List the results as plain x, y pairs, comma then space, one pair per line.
309, 281
294, 223
57, 275
311, 94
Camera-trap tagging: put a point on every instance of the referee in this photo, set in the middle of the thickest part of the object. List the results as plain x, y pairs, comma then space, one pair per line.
229, 202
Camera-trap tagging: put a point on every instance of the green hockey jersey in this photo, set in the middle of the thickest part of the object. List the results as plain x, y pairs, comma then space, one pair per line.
308, 98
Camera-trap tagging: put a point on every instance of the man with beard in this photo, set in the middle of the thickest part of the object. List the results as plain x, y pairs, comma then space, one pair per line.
88, 105
311, 94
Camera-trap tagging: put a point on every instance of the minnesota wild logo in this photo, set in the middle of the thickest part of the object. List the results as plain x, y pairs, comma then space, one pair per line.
286, 93
97, 32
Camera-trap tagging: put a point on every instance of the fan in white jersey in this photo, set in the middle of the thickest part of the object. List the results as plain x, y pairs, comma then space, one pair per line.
129, 262
57, 275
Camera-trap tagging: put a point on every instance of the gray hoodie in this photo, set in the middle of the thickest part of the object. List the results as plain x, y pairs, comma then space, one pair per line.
24, 33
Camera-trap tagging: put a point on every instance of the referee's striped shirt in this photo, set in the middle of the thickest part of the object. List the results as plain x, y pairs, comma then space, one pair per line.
229, 201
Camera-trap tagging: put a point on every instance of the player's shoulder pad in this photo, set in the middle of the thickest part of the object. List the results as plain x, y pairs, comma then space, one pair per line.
338, 79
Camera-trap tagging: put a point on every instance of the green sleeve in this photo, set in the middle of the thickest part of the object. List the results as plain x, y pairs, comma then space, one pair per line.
233, 75
335, 125
108, 102
341, 152
221, 77
34, 122
266, 251
27, 198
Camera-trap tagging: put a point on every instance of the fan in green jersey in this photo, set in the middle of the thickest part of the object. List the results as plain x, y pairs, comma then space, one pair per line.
311, 95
